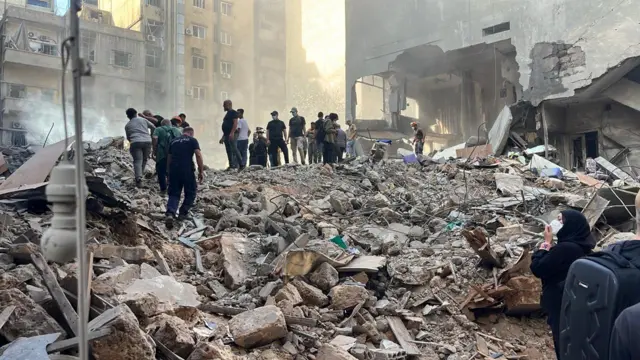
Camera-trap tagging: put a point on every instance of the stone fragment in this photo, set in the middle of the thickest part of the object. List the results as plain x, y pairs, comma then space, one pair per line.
340, 202
381, 201
167, 290
290, 293
258, 327
8, 281
310, 295
143, 305
437, 224
148, 272
269, 288
111, 282
140, 253
288, 309
126, 341
234, 247
212, 350
389, 214
332, 352
175, 334
324, 277
344, 297
28, 318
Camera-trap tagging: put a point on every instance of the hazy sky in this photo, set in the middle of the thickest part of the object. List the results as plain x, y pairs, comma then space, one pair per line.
323, 34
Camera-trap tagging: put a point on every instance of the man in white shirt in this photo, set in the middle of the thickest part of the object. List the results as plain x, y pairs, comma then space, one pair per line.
243, 138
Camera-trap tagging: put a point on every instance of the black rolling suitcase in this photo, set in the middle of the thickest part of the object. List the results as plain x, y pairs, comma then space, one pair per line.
597, 289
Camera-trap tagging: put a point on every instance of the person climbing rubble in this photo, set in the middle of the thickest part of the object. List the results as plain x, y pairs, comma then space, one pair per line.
137, 131
182, 175
418, 139
162, 138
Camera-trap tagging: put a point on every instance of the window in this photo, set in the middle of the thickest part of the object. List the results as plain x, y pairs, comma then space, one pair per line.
153, 57
199, 31
120, 100
40, 3
47, 94
198, 62
121, 59
224, 95
91, 2
48, 49
505, 26
17, 91
225, 38
226, 69
225, 8
153, 2
88, 45
198, 92
198, 3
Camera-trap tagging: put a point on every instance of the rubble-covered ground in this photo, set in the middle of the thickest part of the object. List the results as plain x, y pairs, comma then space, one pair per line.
373, 260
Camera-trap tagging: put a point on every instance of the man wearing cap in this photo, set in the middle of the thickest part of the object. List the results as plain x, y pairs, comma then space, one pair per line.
277, 139
297, 136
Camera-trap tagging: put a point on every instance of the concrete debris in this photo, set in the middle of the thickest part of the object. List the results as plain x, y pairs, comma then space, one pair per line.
258, 327
375, 259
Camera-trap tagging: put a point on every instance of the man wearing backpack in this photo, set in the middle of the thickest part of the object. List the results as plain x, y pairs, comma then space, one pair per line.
162, 138
598, 290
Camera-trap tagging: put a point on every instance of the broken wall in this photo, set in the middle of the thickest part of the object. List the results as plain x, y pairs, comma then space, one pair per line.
602, 32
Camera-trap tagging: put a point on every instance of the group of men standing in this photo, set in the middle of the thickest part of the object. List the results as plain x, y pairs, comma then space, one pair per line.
324, 140
172, 145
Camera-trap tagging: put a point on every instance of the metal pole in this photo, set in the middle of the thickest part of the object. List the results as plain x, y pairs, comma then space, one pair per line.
83, 271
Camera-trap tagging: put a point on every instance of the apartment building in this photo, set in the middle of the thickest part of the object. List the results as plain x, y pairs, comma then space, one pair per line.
31, 70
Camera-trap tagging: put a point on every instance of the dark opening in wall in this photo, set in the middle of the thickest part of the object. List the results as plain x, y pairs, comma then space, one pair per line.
505, 26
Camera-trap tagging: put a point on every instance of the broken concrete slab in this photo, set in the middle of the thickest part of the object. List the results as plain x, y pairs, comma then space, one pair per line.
332, 352
290, 293
234, 246
140, 253
28, 318
174, 333
499, 132
143, 305
344, 297
167, 290
127, 341
370, 264
340, 202
149, 272
324, 277
115, 280
310, 294
212, 350
258, 327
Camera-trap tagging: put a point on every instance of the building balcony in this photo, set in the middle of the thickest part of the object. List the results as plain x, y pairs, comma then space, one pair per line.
33, 59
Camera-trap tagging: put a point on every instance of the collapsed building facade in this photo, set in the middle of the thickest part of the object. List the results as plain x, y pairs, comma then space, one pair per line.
565, 69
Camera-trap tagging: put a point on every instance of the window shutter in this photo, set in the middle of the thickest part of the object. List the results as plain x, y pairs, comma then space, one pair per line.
216, 66
216, 34
112, 57
216, 5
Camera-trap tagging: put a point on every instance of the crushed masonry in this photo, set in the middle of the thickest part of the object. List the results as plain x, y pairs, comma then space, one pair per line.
373, 260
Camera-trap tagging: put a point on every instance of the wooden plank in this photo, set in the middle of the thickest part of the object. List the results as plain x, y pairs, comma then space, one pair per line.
37, 168
56, 292
105, 318
199, 266
73, 342
481, 151
615, 171
402, 335
6, 314
90, 279
162, 263
588, 180
480, 244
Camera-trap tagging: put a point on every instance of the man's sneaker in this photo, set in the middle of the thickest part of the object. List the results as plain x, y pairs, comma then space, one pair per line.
138, 183
182, 217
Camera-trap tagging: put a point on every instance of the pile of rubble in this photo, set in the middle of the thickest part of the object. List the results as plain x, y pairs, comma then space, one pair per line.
373, 260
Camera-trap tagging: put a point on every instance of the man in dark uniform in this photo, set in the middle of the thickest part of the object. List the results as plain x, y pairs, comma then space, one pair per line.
182, 175
277, 139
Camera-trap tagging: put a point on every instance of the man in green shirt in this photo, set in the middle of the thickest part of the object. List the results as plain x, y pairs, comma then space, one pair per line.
162, 138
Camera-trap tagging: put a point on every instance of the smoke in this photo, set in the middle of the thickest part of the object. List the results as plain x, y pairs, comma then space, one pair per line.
41, 117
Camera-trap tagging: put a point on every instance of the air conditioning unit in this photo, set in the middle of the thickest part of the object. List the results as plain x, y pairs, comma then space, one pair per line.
196, 51
43, 38
32, 35
151, 38
17, 125
226, 76
189, 92
188, 32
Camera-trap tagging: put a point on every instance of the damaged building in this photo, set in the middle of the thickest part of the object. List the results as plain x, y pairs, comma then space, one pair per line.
566, 72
